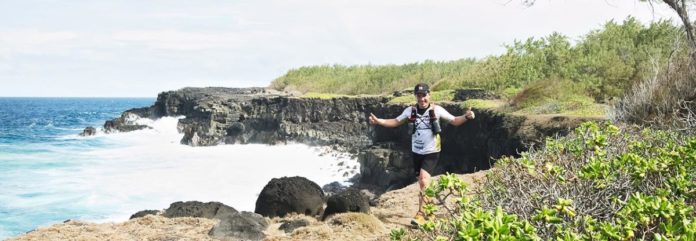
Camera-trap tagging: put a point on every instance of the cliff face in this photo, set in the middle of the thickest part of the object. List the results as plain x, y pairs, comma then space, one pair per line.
255, 115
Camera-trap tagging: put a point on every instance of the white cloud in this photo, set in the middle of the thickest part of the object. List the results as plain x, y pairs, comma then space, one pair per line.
30, 37
167, 44
34, 41
187, 41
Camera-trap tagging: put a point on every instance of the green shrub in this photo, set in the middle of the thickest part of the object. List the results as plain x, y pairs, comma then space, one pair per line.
435, 96
605, 63
667, 99
483, 104
554, 96
602, 182
316, 95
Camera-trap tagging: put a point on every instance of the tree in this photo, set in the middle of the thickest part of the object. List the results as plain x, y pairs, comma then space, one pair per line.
681, 7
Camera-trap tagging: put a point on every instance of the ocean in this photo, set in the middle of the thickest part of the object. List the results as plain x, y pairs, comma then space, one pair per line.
48, 173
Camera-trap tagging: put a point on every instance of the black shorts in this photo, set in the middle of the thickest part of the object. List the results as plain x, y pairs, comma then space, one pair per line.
426, 162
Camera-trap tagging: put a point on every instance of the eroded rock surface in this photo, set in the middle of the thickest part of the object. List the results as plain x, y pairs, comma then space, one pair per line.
217, 115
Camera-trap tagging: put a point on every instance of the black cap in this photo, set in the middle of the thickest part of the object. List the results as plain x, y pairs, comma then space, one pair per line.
421, 88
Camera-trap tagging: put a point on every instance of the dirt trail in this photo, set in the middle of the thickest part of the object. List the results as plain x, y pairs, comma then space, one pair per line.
396, 208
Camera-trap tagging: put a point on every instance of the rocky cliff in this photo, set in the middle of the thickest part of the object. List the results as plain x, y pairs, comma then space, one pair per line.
256, 115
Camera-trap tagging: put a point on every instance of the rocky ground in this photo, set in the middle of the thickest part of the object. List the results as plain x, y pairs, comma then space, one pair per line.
150, 227
393, 210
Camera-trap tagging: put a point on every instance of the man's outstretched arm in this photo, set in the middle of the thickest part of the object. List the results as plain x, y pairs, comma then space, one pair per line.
469, 115
384, 122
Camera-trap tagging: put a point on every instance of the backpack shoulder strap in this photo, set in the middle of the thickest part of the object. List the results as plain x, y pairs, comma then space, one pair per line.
414, 111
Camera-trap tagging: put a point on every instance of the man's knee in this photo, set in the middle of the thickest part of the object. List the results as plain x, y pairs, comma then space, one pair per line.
424, 175
423, 178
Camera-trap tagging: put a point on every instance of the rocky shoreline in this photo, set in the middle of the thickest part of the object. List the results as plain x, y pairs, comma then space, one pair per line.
217, 115
195, 220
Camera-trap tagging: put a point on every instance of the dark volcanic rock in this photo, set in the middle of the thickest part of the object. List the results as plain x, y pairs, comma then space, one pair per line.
467, 94
127, 121
144, 213
240, 226
289, 226
89, 131
198, 210
351, 200
386, 165
256, 115
276, 119
333, 188
282, 196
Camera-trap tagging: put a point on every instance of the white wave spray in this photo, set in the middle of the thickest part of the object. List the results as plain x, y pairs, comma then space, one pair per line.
149, 169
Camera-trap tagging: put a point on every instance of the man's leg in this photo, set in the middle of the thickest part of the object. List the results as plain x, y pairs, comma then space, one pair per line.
426, 165
419, 219
427, 168
423, 181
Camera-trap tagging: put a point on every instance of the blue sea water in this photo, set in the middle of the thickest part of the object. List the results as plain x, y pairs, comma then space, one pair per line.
36, 145
49, 174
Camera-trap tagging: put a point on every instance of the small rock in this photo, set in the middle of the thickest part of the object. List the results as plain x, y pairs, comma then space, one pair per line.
289, 226
350, 200
240, 226
373, 198
332, 188
144, 213
89, 131
198, 210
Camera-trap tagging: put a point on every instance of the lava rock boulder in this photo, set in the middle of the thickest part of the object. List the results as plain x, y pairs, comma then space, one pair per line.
282, 196
350, 200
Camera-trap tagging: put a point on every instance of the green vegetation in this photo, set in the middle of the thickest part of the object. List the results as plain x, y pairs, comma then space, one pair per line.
602, 182
368, 79
602, 65
483, 104
555, 96
435, 96
323, 96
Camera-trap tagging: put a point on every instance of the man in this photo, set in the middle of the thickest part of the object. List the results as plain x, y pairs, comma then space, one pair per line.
425, 138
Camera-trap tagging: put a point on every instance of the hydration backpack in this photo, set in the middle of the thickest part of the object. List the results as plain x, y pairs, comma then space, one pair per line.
434, 122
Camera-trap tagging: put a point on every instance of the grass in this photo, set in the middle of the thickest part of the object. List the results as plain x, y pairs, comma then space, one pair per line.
435, 96
571, 108
358, 222
560, 97
483, 104
323, 96
555, 96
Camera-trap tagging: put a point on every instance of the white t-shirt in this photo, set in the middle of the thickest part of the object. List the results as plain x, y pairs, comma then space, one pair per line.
423, 140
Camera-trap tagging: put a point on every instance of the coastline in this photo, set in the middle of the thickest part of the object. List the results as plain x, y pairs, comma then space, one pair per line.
216, 116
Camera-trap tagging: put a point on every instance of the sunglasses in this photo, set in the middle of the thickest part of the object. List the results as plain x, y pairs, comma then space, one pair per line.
421, 95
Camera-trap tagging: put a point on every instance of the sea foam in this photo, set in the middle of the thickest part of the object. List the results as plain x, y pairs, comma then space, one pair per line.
149, 169
116, 175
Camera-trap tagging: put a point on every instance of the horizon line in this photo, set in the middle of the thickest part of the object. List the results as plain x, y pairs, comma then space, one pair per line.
102, 97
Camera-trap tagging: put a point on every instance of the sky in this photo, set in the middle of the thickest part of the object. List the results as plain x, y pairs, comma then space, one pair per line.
138, 48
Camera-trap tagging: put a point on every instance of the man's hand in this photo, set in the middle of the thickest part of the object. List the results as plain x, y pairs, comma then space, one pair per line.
374, 120
469, 115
